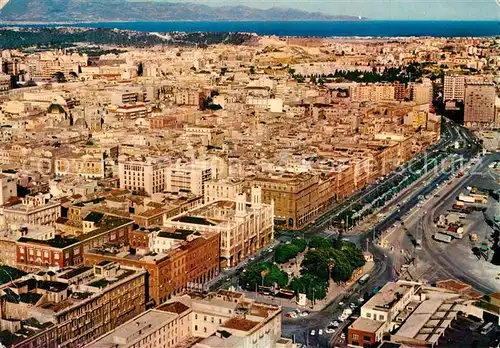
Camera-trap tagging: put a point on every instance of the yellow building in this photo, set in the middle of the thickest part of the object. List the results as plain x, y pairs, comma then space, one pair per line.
87, 166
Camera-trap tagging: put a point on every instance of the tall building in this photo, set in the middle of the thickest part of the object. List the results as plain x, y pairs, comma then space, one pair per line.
454, 87
189, 176
71, 307
421, 93
479, 108
184, 260
222, 319
147, 175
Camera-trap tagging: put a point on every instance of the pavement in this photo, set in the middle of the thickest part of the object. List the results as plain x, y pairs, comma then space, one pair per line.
437, 260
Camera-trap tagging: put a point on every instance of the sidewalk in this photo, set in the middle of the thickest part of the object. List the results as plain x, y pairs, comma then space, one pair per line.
334, 292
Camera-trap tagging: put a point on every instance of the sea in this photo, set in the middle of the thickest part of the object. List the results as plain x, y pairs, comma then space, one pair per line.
363, 28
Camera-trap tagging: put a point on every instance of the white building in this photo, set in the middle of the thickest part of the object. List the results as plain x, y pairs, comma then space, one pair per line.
224, 319
9, 188
146, 175
454, 87
189, 176
226, 189
38, 209
244, 226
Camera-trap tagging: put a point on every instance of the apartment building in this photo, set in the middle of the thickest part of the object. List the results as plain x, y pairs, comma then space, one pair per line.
84, 165
372, 93
414, 313
479, 105
454, 87
147, 175
187, 260
244, 227
131, 111
155, 328
225, 189
189, 177
5, 83
300, 198
71, 307
96, 229
189, 97
33, 209
9, 188
222, 319
210, 135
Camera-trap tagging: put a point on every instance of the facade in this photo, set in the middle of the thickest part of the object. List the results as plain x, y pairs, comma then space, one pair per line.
190, 177
414, 313
36, 209
60, 252
222, 319
147, 176
226, 189
86, 166
373, 93
9, 189
74, 306
191, 261
454, 87
479, 106
244, 227
189, 97
5, 83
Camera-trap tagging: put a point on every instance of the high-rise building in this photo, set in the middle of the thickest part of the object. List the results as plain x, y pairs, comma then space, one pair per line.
146, 175
454, 87
189, 176
479, 108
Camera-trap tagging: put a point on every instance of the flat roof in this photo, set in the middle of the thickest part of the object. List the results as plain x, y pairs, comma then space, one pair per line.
134, 330
240, 324
367, 325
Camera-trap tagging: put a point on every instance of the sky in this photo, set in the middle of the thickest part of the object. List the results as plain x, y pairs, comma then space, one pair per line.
382, 9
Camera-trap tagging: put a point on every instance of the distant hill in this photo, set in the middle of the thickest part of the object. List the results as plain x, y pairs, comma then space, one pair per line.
58, 11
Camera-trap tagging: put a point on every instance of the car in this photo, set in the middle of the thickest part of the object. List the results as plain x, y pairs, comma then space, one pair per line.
252, 259
352, 305
335, 324
293, 315
330, 330
361, 299
341, 303
288, 315
342, 336
320, 332
298, 311
304, 314
313, 332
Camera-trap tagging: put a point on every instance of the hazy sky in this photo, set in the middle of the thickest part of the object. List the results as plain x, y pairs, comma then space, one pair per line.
382, 9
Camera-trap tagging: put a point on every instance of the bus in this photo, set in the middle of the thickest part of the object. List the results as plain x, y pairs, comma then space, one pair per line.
363, 279
487, 328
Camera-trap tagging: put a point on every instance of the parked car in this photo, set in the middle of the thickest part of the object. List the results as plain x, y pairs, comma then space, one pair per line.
330, 330
313, 332
320, 331
304, 314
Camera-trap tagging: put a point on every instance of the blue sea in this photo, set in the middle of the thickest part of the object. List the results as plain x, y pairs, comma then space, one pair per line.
367, 28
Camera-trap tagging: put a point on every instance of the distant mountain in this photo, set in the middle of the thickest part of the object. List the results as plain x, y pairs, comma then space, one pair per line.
58, 11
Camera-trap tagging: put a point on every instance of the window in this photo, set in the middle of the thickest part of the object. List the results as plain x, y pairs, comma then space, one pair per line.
196, 328
368, 315
205, 329
355, 337
381, 317
367, 338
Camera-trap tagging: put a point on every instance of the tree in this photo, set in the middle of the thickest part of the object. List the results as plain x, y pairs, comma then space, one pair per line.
267, 273
140, 69
285, 253
314, 288
59, 76
319, 243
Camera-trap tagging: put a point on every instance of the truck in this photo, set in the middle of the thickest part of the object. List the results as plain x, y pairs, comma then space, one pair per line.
441, 237
363, 279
